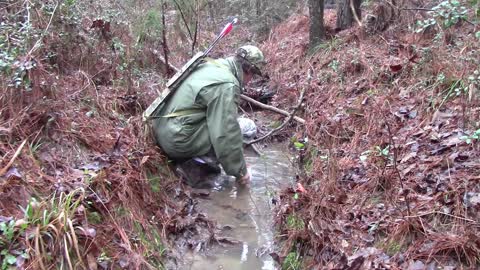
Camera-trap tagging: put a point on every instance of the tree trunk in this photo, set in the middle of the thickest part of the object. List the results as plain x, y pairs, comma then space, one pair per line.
317, 29
164, 36
345, 13
258, 7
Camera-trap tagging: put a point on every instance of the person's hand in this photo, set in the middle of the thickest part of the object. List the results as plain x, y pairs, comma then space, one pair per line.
244, 180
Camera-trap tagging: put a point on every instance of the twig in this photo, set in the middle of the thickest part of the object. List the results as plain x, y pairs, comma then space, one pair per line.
292, 114
89, 81
395, 161
184, 19
195, 36
38, 42
244, 97
420, 9
442, 213
5, 169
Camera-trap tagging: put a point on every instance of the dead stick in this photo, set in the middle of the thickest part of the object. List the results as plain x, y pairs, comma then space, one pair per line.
395, 167
256, 150
292, 114
248, 99
271, 108
5, 169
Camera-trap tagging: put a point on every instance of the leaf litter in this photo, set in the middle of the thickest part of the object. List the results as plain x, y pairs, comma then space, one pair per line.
391, 183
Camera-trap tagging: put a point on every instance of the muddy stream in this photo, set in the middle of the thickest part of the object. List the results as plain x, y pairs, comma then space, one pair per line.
245, 214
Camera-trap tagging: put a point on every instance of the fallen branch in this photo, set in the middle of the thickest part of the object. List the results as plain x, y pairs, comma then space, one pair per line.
290, 117
5, 169
271, 108
248, 99
256, 150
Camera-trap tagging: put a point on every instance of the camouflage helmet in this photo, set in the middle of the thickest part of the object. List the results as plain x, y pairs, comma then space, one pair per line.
253, 56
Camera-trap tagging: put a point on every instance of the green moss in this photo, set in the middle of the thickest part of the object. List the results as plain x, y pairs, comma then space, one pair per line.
94, 217
120, 211
155, 184
275, 124
393, 248
292, 261
294, 222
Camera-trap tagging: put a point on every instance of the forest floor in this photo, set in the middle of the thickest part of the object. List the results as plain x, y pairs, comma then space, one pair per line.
390, 153
388, 156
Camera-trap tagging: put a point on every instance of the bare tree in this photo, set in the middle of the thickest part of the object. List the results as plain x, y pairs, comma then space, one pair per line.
347, 12
317, 28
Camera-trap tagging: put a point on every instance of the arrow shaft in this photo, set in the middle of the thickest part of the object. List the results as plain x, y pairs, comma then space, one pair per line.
224, 32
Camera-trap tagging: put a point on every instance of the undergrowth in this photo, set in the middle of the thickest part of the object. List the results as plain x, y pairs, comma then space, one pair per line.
74, 188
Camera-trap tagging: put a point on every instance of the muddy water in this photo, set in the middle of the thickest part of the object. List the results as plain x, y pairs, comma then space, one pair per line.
245, 214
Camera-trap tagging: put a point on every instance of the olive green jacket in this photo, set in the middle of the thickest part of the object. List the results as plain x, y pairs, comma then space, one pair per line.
202, 114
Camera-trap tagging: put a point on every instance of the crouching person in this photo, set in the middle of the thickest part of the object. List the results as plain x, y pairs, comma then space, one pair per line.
198, 125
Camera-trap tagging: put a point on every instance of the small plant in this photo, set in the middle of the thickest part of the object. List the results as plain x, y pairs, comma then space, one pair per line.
34, 147
469, 139
393, 247
8, 230
55, 228
455, 88
294, 222
378, 152
445, 15
328, 46
382, 152
275, 124
149, 27
475, 78
120, 49
299, 145
292, 261
150, 239
313, 154
334, 64
103, 257
9, 246
364, 155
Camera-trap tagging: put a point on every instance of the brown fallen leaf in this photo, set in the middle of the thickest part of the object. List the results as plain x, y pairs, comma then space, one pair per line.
408, 156
144, 159
395, 68
92, 262
408, 169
